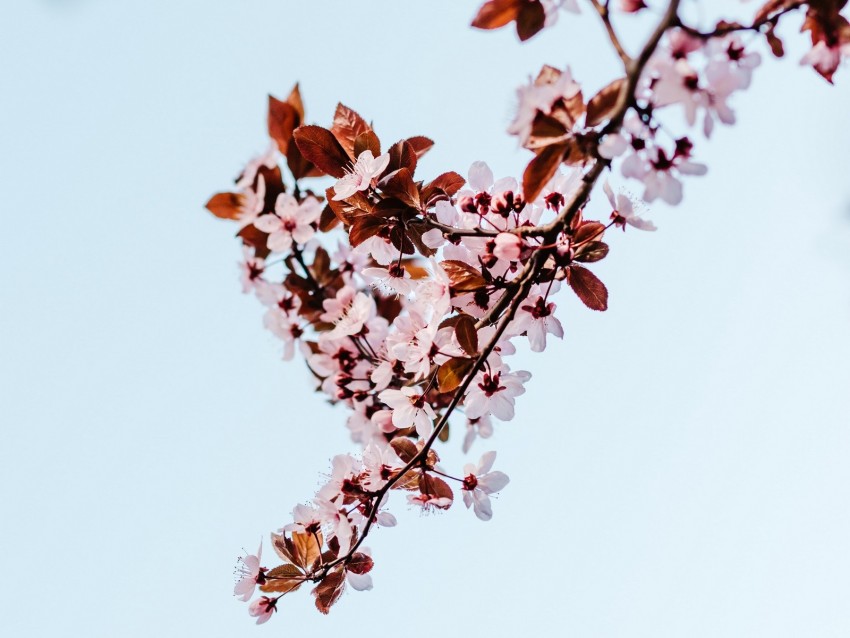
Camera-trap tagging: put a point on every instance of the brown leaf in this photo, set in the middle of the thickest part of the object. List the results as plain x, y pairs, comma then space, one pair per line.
360, 563
774, 42
226, 205
435, 487
295, 100
592, 251
283, 547
467, 335
257, 239
420, 144
328, 220
531, 19
363, 228
300, 166
319, 146
588, 287
497, 13
329, 590
402, 155
464, 277
283, 579
282, 120
367, 141
540, 170
400, 185
452, 373
771, 7
308, 548
588, 231
347, 126
601, 106
405, 448
450, 183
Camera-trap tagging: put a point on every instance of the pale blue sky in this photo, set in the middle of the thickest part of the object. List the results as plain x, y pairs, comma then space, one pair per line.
679, 464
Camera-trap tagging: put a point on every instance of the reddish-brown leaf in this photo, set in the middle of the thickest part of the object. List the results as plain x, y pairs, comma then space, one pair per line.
592, 251
295, 100
588, 231
435, 487
347, 126
360, 563
299, 166
531, 19
329, 590
452, 373
257, 239
540, 170
449, 182
774, 42
282, 120
308, 548
420, 144
319, 146
364, 227
588, 287
497, 13
402, 155
601, 106
284, 547
283, 579
367, 141
464, 277
405, 448
226, 205
467, 335
400, 185
328, 220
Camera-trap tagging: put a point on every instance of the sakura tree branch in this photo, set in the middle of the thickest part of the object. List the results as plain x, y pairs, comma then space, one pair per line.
725, 28
605, 14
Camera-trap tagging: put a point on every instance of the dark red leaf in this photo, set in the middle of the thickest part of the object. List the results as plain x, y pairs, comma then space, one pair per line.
282, 120
588, 287
531, 19
329, 590
347, 126
402, 155
467, 335
450, 183
367, 141
360, 563
257, 239
540, 170
420, 144
601, 106
319, 146
592, 251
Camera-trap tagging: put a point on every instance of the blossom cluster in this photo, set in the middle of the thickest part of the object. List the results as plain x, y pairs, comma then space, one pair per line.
407, 297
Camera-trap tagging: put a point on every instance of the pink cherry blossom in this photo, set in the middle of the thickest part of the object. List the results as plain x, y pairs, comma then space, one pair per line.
624, 211
479, 482
262, 608
291, 222
410, 410
495, 393
364, 173
250, 574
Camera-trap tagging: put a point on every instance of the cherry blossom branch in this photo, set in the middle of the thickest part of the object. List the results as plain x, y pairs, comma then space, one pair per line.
605, 15
725, 28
